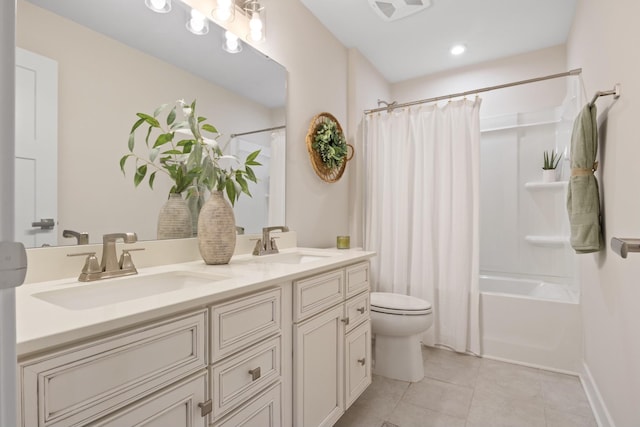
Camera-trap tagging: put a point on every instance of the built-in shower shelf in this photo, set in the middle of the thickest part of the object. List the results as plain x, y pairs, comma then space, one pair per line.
546, 185
547, 240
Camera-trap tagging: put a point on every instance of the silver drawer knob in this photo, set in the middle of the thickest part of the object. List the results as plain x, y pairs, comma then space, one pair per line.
360, 310
362, 361
255, 373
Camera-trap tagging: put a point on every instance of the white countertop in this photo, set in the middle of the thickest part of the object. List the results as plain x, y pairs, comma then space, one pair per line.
43, 325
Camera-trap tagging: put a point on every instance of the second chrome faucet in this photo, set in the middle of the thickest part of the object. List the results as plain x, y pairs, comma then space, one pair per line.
267, 245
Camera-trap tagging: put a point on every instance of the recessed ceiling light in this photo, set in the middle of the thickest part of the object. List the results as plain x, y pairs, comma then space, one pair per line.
458, 49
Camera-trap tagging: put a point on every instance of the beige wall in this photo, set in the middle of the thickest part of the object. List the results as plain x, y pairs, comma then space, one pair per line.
317, 66
531, 97
603, 41
102, 85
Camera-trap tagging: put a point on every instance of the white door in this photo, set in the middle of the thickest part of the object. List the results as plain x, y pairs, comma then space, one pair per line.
36, 165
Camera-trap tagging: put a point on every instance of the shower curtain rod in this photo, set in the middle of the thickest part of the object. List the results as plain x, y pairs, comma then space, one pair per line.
574, 72
233, 135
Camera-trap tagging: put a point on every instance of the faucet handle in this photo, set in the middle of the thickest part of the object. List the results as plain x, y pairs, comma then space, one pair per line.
91, 264
126, 262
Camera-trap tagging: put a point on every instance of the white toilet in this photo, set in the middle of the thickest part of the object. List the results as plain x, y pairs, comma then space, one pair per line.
397, 322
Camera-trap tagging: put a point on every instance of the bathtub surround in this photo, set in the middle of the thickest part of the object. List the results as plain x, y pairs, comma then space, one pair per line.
544, 327
422, 197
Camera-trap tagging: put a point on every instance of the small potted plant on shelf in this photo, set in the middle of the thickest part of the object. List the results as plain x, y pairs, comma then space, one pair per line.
551, 160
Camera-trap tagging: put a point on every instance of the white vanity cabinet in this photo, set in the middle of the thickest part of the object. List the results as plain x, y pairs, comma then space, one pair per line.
247, 346
118, 377
332, 344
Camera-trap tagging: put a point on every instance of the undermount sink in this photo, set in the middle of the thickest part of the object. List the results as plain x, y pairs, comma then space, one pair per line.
113, 291
292, 257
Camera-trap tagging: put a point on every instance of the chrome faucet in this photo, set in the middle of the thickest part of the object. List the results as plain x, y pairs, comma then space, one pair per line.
110, 266
81, 238
267, 245
109, 262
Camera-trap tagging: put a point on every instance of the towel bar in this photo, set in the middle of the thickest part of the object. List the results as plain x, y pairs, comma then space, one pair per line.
615, 92
622, 246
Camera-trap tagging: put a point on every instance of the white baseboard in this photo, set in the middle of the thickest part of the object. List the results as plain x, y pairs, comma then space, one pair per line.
600, 412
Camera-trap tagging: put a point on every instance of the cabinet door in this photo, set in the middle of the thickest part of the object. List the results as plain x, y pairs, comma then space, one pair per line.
319, 369
357, 362
174, 406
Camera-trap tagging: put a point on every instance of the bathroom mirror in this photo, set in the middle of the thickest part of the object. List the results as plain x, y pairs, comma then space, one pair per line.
117, 58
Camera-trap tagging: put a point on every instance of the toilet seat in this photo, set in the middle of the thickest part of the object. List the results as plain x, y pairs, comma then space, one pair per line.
398, 304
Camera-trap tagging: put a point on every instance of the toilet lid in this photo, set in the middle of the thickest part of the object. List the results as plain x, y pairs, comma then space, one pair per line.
386, 302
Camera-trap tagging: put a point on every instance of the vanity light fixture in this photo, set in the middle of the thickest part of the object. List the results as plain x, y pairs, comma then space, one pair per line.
198, 23
224, 11
160, 6
231, 43
255, 12
458, 49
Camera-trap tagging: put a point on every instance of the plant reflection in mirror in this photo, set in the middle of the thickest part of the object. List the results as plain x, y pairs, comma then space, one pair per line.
193, 162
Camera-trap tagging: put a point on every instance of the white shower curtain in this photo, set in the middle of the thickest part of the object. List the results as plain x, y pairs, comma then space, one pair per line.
421, 213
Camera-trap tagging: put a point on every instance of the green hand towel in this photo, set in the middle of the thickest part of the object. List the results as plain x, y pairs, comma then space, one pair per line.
583, 200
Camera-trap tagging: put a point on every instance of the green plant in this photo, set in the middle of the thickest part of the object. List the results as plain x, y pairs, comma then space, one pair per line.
551, 160
191, 161
330, 143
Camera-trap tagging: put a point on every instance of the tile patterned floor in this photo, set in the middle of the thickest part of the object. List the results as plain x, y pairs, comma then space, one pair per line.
466, 391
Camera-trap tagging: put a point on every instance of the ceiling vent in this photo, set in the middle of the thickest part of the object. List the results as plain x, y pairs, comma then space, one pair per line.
392, 10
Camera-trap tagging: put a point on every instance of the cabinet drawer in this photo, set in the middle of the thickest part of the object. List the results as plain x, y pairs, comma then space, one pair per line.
82, 383
175, 406
238, 378
240, 322
357, 310
357, 278
263, 411
357, 362
317, 293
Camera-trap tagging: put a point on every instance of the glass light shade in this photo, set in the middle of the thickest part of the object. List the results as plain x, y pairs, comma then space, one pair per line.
160, 6
198, 23
224, 11
256, 11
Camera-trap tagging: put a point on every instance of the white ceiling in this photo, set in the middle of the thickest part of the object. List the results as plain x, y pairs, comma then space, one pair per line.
419, 44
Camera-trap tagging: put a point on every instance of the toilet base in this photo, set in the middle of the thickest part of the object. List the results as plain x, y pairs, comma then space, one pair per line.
398, 358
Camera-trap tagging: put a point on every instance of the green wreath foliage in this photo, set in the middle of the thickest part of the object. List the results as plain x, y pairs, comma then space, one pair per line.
331, 144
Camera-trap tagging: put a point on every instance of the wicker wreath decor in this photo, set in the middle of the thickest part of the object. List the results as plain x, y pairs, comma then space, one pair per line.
327, 147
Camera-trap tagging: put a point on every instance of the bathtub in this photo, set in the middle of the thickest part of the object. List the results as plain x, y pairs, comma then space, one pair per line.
530, 322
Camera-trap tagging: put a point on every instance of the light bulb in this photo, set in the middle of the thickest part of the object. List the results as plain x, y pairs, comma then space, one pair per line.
160, 6
198, 23
224, 10
255, 24
458, 49
231, 44
256, 36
